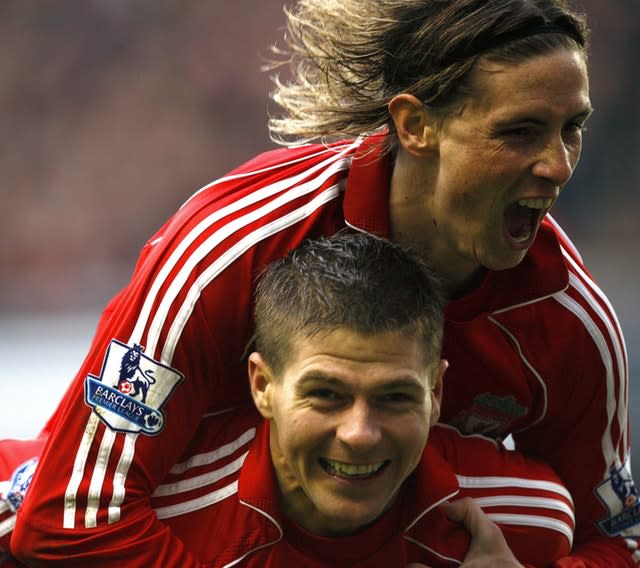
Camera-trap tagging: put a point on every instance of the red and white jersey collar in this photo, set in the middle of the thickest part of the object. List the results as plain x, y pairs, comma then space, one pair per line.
432, 482
366, 200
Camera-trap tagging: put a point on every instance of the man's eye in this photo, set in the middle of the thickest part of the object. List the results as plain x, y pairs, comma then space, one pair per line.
397, 397
323, 394
575, 128
521, 131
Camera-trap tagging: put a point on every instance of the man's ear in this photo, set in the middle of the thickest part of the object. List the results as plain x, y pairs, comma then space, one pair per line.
260, 381
416, 127
436, 391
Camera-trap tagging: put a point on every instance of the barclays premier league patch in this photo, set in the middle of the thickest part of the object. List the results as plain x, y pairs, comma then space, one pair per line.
19, 484
131, 390
619, 494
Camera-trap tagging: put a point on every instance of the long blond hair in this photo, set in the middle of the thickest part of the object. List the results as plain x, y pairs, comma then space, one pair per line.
348, 58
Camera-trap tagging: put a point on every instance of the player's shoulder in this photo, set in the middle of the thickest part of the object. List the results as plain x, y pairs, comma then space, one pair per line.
459, 448
211, 462
272, 175
290, 156
479, 457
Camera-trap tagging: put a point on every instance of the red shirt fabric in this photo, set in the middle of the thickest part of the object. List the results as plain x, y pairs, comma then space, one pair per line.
222, 504
535, 351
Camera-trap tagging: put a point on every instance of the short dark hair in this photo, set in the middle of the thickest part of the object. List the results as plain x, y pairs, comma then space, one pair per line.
351, 280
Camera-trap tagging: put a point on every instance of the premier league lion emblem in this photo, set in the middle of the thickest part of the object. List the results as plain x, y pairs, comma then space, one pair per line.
18, 485
620, 496
131, 390
133, 380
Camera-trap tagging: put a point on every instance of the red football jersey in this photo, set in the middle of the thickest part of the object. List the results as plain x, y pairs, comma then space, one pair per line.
535, 351
229, 489
222, 504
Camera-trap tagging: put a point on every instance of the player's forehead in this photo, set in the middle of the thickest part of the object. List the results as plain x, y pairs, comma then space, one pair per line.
347, 356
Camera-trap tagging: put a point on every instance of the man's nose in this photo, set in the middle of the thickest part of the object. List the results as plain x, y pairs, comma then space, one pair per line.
555, 162
359, 426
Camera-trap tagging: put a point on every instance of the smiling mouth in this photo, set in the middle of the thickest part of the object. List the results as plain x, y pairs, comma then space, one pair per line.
351, 471
522, 218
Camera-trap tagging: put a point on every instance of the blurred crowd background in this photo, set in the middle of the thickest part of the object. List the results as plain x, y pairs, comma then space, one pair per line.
114, 111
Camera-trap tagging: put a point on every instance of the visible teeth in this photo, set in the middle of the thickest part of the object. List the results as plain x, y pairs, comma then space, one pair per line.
536, 203
351, 470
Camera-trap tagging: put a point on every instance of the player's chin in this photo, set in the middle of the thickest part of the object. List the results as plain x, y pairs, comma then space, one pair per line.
502, 257
349, 521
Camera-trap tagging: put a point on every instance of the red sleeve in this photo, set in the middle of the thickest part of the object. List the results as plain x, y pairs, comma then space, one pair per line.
126, 419
168, 350
88, 503
140, 540
524, 497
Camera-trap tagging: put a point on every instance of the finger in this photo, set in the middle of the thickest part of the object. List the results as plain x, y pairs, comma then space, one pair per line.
487, 540
469, 514
456, 511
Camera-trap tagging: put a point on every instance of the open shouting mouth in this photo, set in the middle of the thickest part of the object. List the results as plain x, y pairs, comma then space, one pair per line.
523, 218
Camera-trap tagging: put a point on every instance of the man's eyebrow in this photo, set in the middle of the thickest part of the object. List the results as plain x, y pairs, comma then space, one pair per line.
584, 115
403, 383
532, 119
318, 377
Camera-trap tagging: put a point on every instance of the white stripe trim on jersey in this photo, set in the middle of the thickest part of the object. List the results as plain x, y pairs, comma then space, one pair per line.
214, 455
528, 302
222, 262
608, 449
527, 502
270, 518
429, 549
136, 336
633, 546
531, 368
199, 481
493, 481
618, 347
595, 289
203, 280
7, 525
69, 518
217, 412
97, 479
617, 337
197, 504
618, 352
617, 340
432, 506
567, 241
179, 281
340, 149
252, 198
120, 476
533, 521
